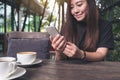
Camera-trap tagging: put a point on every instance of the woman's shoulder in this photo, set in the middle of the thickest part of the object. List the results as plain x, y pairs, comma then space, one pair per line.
104, 23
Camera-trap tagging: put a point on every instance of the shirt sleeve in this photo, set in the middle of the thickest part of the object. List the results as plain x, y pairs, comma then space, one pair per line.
106, 36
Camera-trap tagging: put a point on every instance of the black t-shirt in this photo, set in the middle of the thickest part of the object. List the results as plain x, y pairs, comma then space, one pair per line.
105, 35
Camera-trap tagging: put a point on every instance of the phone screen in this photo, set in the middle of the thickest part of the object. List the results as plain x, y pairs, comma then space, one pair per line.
52, 31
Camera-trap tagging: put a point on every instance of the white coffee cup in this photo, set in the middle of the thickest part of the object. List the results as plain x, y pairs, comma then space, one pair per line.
7, 59
26, 57
7, 68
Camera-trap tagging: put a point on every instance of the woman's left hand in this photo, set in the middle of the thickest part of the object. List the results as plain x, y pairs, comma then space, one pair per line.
71, 50
58, 43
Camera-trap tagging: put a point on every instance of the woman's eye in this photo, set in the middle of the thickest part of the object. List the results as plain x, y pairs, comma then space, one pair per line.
79, 5
71, 7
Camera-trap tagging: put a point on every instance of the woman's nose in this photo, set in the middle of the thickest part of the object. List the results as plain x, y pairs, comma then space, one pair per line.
76, 10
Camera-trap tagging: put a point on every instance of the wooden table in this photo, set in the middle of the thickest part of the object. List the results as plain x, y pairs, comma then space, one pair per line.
73, 70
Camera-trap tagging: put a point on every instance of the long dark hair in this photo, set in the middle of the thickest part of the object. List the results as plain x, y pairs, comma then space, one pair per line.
70, 28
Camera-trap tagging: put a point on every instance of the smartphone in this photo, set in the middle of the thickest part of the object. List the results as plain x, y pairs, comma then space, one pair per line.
52, 31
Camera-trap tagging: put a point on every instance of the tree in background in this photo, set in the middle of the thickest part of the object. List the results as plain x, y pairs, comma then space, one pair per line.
110, 10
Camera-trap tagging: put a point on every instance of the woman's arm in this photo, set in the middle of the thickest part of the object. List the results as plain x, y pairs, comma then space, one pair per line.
71, 50
98, 55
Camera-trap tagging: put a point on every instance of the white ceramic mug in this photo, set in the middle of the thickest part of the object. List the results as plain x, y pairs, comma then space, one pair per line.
26, 57
7, 59
7, 68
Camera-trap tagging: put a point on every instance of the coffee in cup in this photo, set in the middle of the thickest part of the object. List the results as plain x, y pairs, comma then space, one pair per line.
26, 57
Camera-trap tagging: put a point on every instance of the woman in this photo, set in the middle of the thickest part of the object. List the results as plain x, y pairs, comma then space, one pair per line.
84, 34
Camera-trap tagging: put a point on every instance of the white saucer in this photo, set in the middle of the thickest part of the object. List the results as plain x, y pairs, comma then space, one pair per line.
19, 72
37, 61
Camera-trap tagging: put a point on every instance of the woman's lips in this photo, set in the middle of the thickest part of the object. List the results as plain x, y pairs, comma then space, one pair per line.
77, 16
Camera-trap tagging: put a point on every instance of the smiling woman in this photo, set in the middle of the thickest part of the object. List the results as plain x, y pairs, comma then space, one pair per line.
84, 35
79, 9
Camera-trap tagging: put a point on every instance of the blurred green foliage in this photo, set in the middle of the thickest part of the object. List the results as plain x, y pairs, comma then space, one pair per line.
110, 10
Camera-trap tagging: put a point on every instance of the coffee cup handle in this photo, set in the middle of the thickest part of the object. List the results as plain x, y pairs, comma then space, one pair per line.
12, 66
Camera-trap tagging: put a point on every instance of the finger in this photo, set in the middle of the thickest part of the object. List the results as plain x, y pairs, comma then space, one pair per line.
70, 44
68, 52
70, 47
58, 44
51, 38
56, 38
62, 45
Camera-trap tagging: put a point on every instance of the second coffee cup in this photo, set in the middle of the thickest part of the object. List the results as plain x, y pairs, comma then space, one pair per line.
7, 68
26, 57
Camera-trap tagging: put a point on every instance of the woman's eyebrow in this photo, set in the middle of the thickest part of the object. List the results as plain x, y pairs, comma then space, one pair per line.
79, 1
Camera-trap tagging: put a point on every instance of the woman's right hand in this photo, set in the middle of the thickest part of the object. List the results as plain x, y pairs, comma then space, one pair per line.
58, 43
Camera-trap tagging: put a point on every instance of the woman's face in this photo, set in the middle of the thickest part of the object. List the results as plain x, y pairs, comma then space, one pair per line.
79, 9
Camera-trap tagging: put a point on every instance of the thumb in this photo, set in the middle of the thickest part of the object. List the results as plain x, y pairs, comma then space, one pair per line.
51, 38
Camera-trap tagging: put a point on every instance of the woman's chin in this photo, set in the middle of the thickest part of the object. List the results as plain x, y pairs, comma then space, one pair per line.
80, 19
